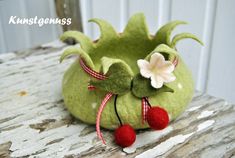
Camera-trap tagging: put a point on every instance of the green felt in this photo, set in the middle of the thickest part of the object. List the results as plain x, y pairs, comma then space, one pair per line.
77, 51
107, 32
183, 36
164, 49
85, 42
141, 87
119, 78
116, 55
108, 62
163, 36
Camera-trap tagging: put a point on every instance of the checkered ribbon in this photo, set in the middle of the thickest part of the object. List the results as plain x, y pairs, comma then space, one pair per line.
91, 72
145, 108
108, 96
98, 117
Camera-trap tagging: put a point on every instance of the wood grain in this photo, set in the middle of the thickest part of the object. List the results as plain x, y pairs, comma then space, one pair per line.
70, 9
34, 122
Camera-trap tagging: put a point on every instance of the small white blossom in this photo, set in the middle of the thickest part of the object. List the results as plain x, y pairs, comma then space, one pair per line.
157, 69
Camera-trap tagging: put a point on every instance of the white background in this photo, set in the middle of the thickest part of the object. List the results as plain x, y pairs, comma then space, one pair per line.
211, 20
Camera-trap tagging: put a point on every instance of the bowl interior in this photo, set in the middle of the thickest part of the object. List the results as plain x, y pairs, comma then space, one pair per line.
126, 49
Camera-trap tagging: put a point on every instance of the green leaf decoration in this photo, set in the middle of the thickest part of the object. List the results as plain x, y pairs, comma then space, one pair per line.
119, 78
163, 35
77, 51
141, 87
106, 30
165, 49
181, 36
85, 42
137, 27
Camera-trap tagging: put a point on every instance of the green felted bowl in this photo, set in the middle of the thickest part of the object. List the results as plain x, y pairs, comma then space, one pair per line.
117, 55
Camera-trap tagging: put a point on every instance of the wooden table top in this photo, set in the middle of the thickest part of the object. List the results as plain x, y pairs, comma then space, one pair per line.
34, 122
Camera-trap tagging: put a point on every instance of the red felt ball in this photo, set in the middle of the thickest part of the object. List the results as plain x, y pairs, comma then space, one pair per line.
125, 135
157, 118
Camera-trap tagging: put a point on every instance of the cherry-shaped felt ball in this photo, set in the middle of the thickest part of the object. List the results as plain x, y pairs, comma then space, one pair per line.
157, 118
125, 135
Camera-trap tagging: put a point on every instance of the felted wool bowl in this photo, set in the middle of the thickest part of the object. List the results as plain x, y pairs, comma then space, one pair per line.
116, 55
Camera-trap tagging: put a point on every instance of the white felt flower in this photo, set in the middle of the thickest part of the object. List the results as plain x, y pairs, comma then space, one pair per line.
157, 69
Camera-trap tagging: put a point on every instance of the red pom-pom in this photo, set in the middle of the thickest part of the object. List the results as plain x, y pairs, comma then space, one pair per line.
125, 135
157, 118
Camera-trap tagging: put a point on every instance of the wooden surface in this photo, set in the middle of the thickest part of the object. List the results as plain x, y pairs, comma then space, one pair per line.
34, 122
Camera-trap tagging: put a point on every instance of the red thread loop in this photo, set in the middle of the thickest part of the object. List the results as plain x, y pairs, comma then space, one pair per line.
98, 117
175, 61
91, 87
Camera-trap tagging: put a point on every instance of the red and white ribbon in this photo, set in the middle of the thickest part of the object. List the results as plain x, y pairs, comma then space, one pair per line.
145, 108
108, 96
98, 117
91, 72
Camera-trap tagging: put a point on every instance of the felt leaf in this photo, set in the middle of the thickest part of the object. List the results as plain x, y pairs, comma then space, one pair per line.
181, 36
164, 33
77, 51
165, 49
118, 81
106, 30
137, 27
77, 37
141, 87
107, 62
